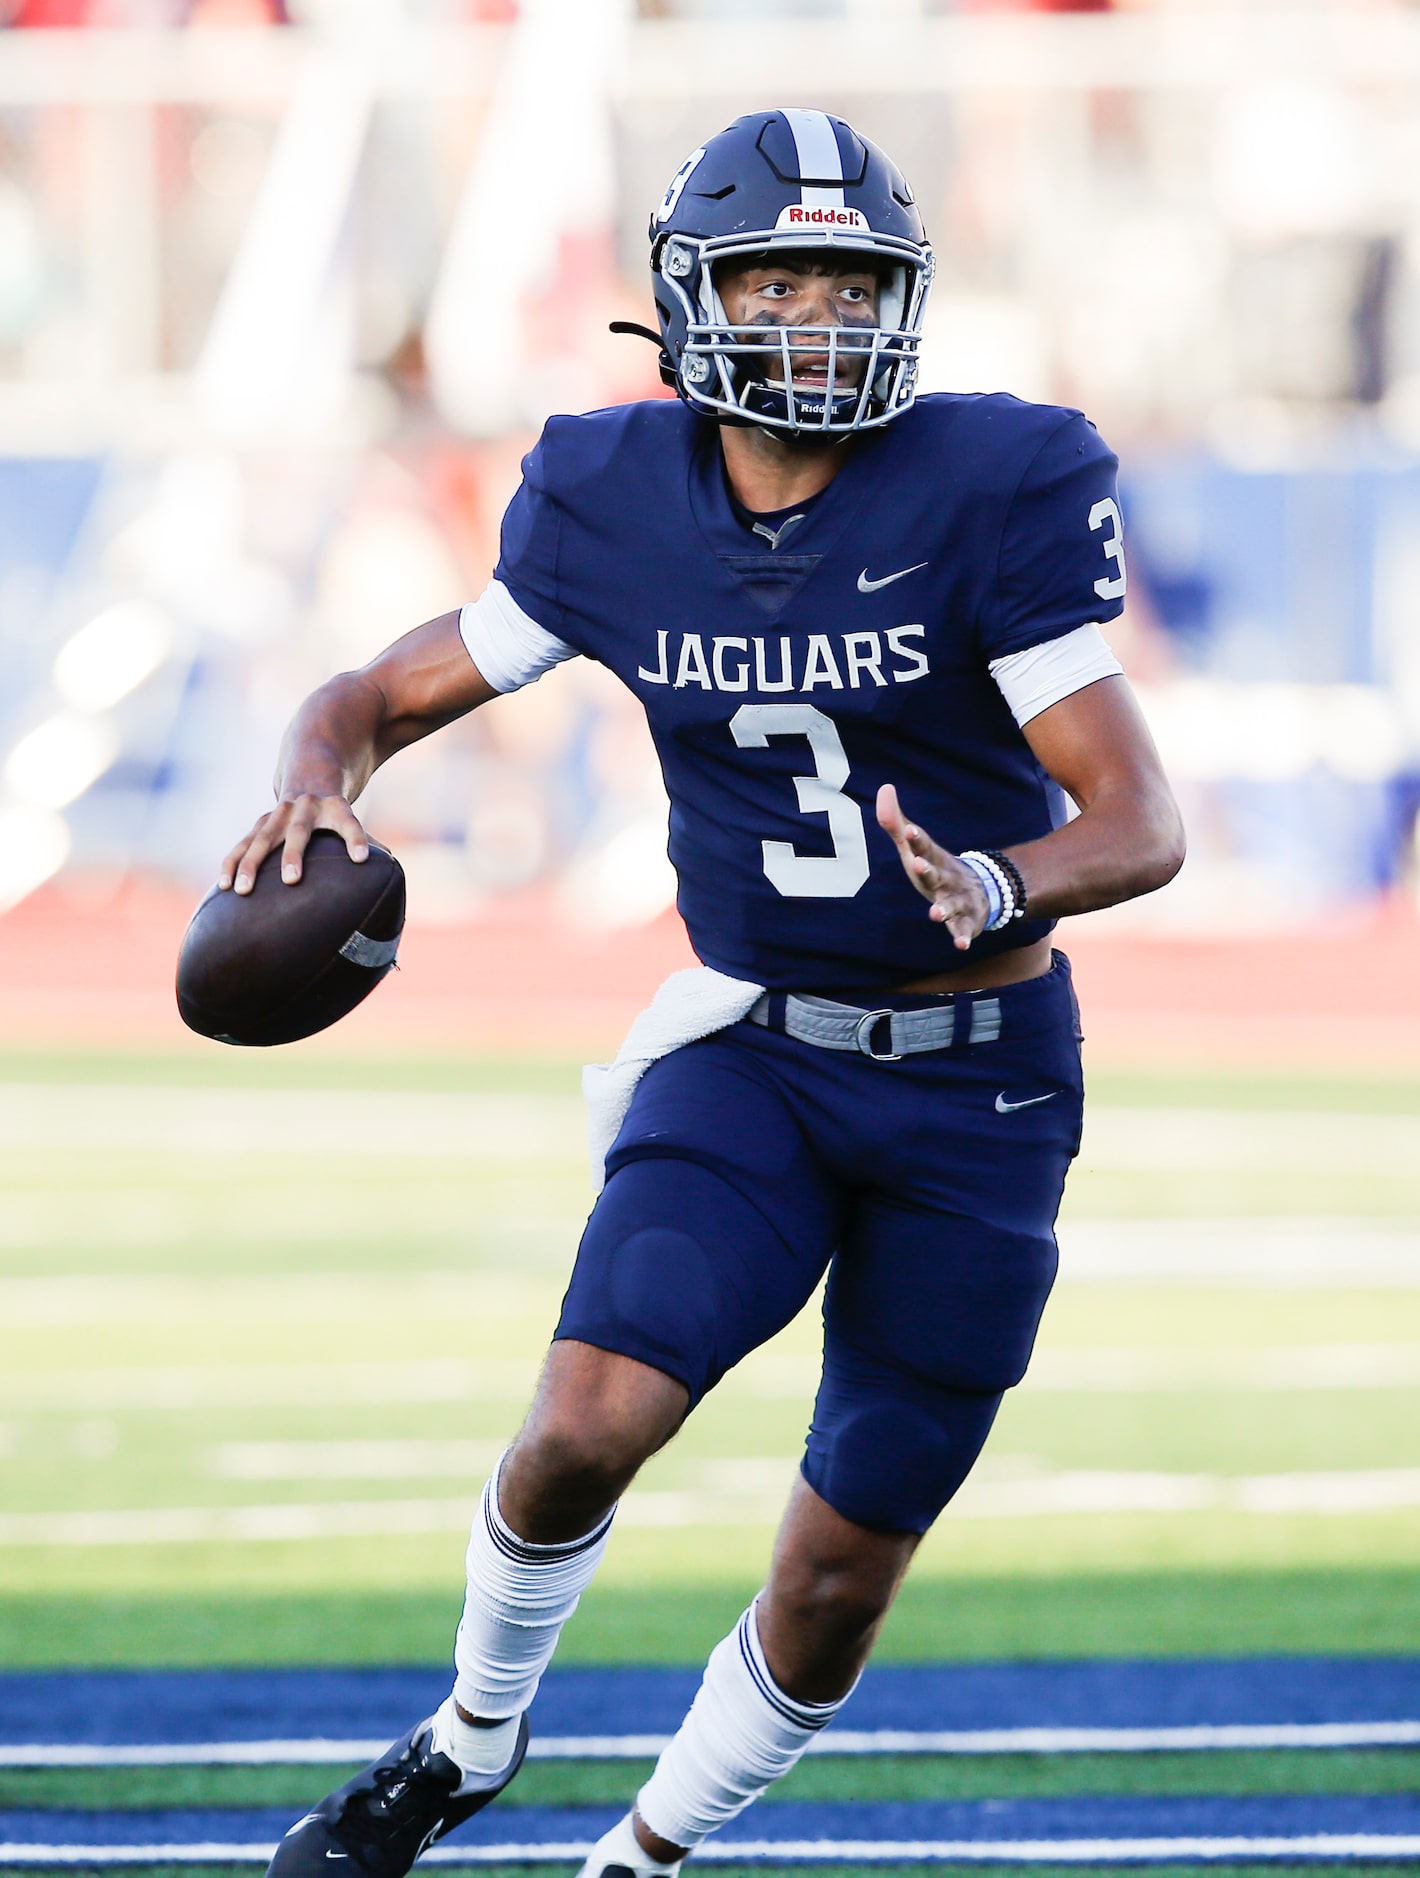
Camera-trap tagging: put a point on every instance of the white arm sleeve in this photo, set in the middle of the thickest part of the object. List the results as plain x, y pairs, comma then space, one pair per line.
1033, 680
509, 648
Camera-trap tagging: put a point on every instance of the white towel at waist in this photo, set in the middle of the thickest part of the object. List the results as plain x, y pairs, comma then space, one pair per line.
689, 1005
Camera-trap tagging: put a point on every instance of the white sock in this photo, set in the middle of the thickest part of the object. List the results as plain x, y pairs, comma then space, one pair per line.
620, 1846
519, 1597
481, 1751
742, 1732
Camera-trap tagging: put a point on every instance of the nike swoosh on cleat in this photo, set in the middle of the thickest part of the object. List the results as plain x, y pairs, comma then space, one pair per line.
871, 586
1003, 1107
341, 1854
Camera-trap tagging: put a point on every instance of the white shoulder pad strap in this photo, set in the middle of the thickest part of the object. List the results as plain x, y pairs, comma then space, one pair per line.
1033, 680
509, 648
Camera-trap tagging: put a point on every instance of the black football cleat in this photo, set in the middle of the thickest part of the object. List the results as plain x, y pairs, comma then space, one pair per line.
386, 1816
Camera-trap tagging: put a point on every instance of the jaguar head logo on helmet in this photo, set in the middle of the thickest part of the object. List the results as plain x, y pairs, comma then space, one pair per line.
800, 190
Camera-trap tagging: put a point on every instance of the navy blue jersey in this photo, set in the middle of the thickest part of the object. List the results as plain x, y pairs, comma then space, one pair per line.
784, 684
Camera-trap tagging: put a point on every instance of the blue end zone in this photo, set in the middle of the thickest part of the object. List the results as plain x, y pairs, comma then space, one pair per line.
789, 1822
173, 1706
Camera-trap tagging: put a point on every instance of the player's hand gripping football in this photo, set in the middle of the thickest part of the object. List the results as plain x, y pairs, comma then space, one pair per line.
289, 826
958, 898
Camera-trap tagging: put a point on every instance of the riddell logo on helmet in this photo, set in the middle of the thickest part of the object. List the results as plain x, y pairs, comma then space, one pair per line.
796, 216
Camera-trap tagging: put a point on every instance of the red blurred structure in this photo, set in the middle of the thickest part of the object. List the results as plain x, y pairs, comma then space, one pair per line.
148, 13
1038, 6
100, 973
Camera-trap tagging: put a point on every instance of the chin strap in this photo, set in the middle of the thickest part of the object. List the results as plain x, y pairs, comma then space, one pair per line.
644, 332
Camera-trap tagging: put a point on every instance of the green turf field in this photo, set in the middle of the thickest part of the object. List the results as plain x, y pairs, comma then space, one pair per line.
826, 1777
266, 1318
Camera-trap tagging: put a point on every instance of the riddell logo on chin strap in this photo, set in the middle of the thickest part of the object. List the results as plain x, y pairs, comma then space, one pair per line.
796, 216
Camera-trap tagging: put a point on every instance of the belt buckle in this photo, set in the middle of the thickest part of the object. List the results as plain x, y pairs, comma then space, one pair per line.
863, 1037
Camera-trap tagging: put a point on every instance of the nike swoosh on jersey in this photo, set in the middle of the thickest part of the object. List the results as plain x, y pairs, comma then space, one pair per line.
1003, 1107
871, 586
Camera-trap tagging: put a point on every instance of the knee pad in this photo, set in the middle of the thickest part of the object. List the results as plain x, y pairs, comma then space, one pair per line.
953, 1301
659, 1273
888, 1452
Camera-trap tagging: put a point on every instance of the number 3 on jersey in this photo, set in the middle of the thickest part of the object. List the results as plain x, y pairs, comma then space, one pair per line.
1112, 586
836, 876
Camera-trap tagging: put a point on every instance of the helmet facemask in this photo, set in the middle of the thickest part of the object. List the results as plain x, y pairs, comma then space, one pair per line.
871, 368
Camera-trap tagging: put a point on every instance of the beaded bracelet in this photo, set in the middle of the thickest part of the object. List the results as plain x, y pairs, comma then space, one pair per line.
1013, 874
988, 866
990, 879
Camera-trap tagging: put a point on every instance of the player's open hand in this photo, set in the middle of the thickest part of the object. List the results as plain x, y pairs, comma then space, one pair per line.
958, 898
289, 826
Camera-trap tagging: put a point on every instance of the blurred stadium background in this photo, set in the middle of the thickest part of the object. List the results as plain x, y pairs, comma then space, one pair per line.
285, 293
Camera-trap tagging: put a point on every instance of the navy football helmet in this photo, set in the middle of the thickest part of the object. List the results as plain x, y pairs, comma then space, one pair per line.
781, 182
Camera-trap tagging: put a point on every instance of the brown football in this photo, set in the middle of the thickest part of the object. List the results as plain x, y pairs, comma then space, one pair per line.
283, 962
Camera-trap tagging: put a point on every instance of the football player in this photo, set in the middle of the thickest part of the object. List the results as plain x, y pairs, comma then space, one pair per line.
866, 631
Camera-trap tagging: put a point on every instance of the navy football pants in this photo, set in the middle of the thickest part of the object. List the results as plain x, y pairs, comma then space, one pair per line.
749, 1162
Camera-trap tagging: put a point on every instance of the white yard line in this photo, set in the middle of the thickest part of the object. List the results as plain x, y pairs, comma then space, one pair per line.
344, 1519
1286, 1367
1260, 1736
82, 1118
90, 1300
1335, 1494
1368, 1490
354, 1460
1280, 1253
1320, 1845
81, 1301
424, 1123
768, 1375
1222, 1140
269, 1385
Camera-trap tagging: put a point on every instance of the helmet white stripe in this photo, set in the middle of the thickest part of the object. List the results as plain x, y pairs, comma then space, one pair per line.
818, 156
